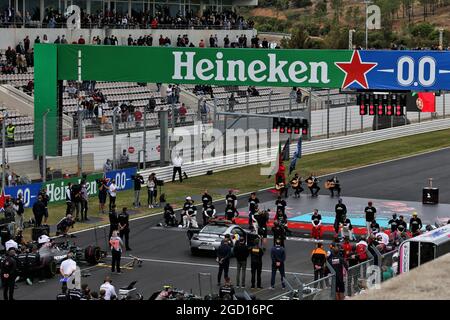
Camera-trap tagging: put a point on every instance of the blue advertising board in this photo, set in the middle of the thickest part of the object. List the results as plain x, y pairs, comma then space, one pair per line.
31, 191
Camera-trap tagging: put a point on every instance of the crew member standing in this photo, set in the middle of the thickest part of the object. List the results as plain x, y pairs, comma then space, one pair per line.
370, 212
223, 259
231, 198
45, 201
84, 201
341, 210
124, 227
278, 256
116, 251
138, 181
38, 211
177, 162
113, 220
69, 203
318, 258
241, 253
209, 212
281, 205
253, 202
338, 263
9, 274
279, 233
256, 254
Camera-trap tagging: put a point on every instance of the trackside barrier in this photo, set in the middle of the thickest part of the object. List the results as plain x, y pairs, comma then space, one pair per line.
387, 262
356, 277
320, 289
200, 167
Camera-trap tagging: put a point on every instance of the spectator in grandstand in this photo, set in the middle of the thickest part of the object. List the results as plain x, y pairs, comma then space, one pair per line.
370, 212
226, 42
204, 110
201, 44
37, 40
26, 43
278, 256
231, 102
151, 190
318, 258
108, 289
223, 258
45, 39
10, 134
182, 112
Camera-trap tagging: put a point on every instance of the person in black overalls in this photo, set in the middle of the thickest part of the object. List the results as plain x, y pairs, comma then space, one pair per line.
124, 227
9, 274
113, 220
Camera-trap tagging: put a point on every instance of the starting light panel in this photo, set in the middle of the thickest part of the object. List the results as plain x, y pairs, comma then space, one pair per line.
290, 125
389, 104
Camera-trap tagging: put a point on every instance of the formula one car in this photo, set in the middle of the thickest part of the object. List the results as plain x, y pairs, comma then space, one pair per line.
210, 236
48, 258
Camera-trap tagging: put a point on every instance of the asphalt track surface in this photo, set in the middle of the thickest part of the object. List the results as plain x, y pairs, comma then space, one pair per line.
167, 259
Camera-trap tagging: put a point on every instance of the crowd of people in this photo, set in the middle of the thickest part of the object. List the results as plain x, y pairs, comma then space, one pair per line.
161, 19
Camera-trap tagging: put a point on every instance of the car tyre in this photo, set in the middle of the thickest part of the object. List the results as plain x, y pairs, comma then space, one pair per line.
92, 255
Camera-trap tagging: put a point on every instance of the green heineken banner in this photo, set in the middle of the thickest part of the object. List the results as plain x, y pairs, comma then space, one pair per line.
383, 70
56, 189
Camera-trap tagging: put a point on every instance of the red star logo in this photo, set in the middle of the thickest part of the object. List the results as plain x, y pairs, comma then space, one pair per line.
355, 70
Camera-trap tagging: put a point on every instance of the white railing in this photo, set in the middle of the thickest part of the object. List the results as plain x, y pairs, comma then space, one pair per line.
261, 156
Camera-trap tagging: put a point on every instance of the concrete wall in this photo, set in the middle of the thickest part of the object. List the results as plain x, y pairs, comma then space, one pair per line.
12, 36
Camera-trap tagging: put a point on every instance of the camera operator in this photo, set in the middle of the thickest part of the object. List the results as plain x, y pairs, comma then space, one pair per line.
64, 225
138, 181
169, 216
124, 227
38, 211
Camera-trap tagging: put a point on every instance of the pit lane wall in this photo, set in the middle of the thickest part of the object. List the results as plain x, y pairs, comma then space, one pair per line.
56, 189
427, 282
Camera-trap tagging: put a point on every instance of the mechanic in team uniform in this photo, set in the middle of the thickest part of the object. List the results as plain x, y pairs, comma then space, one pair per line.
226, 292
279, 233
393, 223
341, 210
169, 216
281, 205
415, 224
27, 260
231, 212
45, 200
190, 214
253, 203
113, 220
339, 264
318, 258
256, 254
231, 198
370, 212
124, 227
63, 226
206, 199
209, 212
261, 218
9, 274
316, 220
